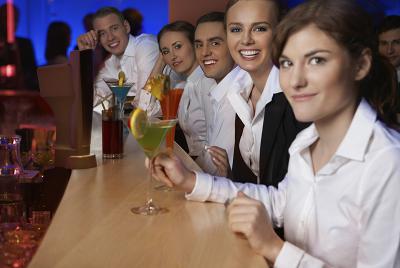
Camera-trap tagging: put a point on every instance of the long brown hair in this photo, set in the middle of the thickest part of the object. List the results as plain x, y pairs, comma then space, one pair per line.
351, 27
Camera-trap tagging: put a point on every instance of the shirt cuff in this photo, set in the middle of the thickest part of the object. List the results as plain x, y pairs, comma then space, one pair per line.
202, 188
289, 256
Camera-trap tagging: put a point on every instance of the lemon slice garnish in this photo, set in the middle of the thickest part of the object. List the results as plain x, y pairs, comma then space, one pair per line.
158, 86
137, 123
121, 78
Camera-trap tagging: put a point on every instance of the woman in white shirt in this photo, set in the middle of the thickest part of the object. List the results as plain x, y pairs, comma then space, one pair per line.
177, 54
264, 119
339, 201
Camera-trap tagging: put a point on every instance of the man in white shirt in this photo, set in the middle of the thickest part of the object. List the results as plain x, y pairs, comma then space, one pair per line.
135, 56
216, 62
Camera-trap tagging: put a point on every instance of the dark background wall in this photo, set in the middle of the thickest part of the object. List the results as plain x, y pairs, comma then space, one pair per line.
37, 14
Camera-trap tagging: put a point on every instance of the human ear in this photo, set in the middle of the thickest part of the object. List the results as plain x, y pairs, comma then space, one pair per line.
364, 64
127, 26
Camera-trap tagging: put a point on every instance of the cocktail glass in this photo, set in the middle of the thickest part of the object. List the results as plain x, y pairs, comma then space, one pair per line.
120, 92
153, 135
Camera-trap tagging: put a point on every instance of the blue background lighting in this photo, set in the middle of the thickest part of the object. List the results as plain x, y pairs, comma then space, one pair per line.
35, 15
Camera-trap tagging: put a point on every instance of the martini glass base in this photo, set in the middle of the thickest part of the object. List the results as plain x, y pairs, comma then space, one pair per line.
163, 188
149, 209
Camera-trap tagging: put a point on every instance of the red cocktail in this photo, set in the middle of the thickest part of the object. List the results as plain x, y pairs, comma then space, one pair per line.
169, 107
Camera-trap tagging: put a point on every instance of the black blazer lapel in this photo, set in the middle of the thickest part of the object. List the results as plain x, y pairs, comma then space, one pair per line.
273, 114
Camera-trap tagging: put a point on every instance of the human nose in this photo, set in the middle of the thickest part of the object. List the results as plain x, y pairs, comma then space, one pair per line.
205, 51
246, 38
110, 36
389, 49
173, 54
297, 77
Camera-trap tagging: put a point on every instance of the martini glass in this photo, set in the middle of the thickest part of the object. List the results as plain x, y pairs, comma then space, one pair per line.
153, 135
120, 92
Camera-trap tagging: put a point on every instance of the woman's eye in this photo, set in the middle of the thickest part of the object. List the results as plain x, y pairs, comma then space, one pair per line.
234, 29
165, 52
178, 46
285, 63
317, 60
260, 29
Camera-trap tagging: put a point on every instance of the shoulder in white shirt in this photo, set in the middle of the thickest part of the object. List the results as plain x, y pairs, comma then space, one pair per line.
346, 215
191, 112
220, 119
137, 62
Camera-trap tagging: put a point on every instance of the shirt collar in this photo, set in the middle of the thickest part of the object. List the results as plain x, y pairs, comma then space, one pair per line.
356, 140
223, 87
129, 51
130, 48
354, 143
196, 75
271, 87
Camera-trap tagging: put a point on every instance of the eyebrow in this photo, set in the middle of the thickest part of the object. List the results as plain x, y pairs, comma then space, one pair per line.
253, 24
315, 51
176, 42
215, 38
309, 54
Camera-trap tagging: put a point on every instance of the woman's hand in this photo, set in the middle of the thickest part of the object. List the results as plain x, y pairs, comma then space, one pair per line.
220, 159
170, 170
250, 218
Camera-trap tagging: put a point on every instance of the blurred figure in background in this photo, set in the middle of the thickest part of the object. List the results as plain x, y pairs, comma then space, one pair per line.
389, 41
58, 40
88, 22
135, 20
24, 48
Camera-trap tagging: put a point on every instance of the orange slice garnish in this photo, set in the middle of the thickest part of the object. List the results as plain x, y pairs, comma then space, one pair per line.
137, 123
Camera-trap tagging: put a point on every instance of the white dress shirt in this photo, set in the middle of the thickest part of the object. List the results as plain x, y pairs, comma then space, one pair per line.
239, 96
220, 120
137, 63
191, 114
345, 215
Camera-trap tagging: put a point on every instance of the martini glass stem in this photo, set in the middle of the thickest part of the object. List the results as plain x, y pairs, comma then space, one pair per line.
149, 199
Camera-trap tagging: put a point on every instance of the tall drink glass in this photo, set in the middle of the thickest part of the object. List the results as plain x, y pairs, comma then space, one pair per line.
169, 107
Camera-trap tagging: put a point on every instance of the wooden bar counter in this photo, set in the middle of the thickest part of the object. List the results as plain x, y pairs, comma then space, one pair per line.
93, 225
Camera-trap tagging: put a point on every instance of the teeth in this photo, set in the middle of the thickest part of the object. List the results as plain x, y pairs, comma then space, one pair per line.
113, 44
209, 62
249, 53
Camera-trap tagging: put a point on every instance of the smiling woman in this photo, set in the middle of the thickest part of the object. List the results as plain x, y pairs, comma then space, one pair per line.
265, 125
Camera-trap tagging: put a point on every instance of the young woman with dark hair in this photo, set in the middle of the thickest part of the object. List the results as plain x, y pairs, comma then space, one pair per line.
178, 59
339, 201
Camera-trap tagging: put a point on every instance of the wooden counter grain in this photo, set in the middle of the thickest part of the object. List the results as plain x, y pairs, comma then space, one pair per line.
93, 226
